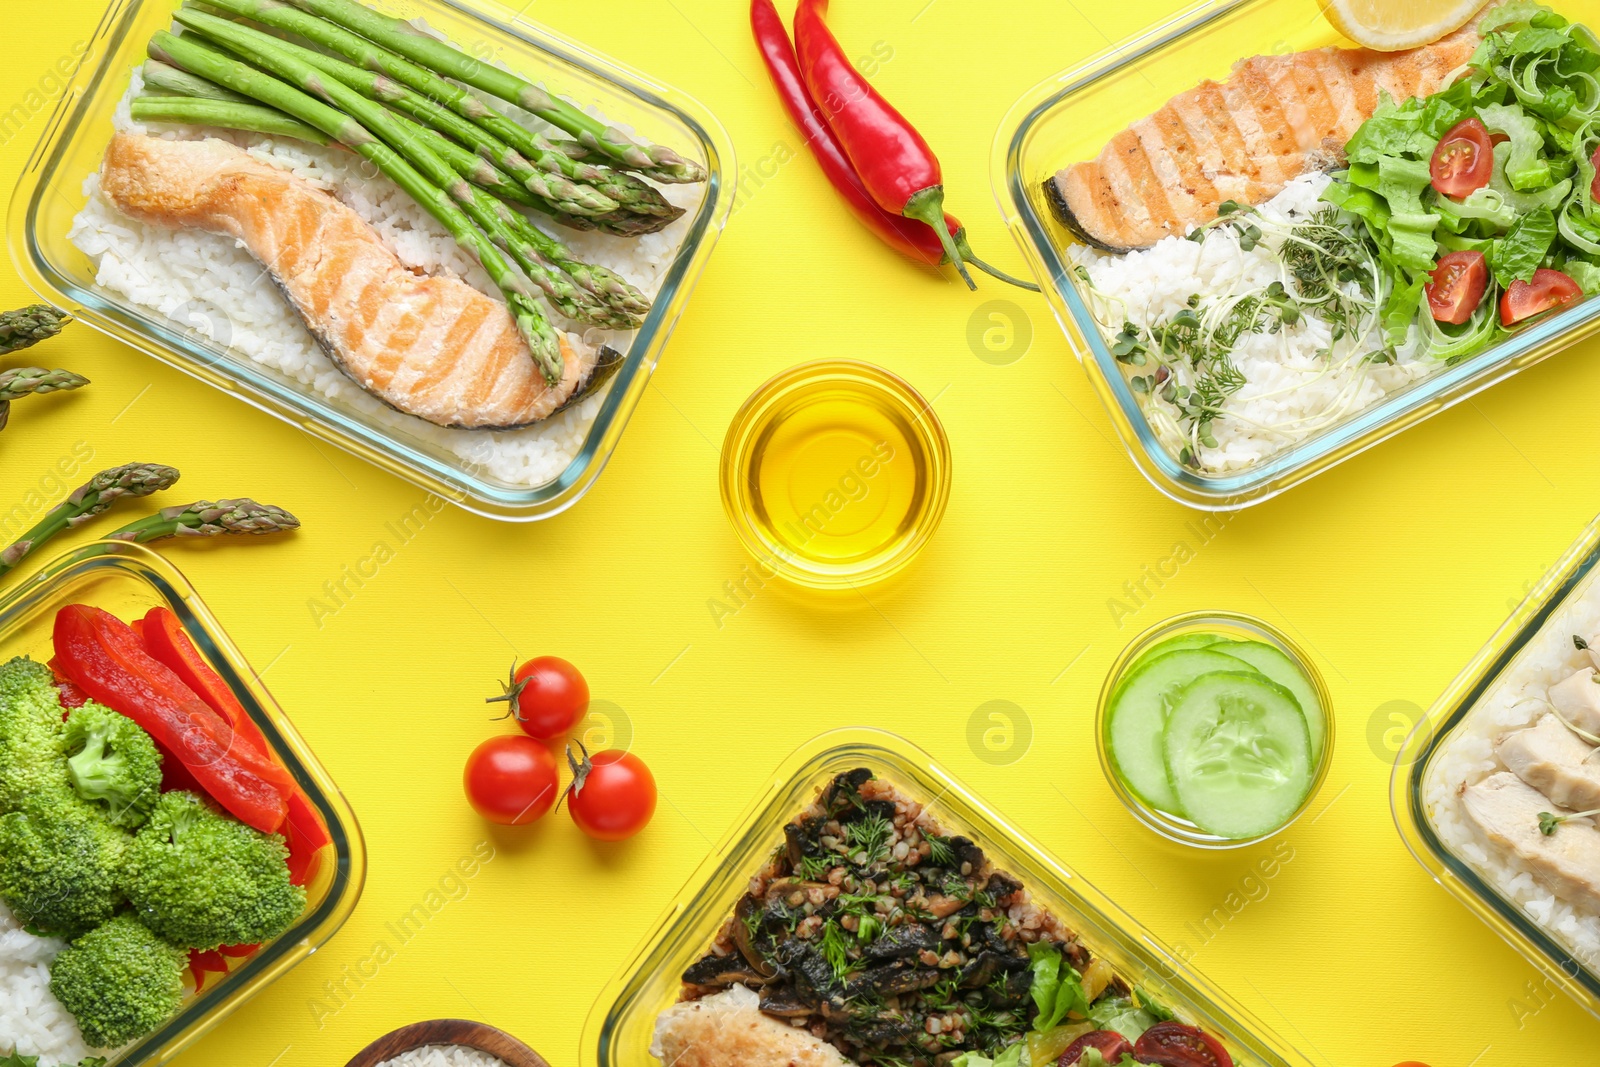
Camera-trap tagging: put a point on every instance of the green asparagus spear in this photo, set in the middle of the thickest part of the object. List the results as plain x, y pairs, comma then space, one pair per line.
89, 500
267, 51
231, 116
208, 518
423, 94
25, 381
583, 153
162, 80
451, 62
28, 326
206, 62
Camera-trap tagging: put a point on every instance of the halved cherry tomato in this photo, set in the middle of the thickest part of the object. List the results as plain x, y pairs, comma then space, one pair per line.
1111, 1045
547, 696
512, 780
1457, 286
1463, 161
1548, 289
1178, 1045
1594, 184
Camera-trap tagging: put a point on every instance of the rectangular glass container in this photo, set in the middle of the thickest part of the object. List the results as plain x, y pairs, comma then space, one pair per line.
1070, 117
128, 580
1566, 582
621, 1025
49, 194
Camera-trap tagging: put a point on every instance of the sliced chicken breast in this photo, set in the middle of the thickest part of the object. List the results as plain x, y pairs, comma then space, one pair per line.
433, 347
1506, 810
1578, 700
1244, 139
1555, 761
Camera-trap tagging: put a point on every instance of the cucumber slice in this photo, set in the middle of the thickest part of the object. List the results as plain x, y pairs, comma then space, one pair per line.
1173, 644
1271, 661
1138, 717
1238, 753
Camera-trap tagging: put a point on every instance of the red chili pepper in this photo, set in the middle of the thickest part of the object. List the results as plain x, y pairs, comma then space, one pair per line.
906, 236
104, 657
894, 162
166, 640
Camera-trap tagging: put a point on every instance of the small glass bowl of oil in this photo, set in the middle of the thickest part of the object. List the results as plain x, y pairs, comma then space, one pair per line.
835, 473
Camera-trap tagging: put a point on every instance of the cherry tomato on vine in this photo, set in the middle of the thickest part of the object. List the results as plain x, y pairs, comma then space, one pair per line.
512, 780
547, 696
1464, 159
613, 793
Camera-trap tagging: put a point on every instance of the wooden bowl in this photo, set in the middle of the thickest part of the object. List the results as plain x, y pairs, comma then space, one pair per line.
480, 1036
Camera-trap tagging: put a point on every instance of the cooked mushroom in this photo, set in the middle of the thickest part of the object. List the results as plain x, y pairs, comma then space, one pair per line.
780, 999
714, 970
907, 939
900, 976
751, 936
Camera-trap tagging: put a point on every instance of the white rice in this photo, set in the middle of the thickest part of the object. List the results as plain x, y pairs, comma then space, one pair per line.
33, 1023
1293, 390
212, 285
443, 1056
1467, 757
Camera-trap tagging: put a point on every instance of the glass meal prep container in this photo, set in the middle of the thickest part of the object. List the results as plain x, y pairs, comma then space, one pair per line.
49, 194
1071, 116
622, 1022
128, 580
1421, 765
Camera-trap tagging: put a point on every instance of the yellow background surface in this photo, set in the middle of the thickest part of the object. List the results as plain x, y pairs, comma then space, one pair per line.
1393, 569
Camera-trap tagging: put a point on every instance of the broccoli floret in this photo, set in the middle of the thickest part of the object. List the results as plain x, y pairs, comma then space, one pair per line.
31, 757
120, 981
202, 879
60, 864
113, 762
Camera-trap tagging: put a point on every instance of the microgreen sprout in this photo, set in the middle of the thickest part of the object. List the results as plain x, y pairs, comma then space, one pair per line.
1548, 821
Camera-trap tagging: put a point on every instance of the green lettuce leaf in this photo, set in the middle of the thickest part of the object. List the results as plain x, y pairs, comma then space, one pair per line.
1391, 131
1526, 169
1518, 254
1057, 986
1586, 274
1513, 15
1122, 1015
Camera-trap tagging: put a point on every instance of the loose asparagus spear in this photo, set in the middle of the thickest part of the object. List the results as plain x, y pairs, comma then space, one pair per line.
28, 326
451, 62
430, 94
88, 500
206, 62
224, 114
25, 381
208, 518
161, 80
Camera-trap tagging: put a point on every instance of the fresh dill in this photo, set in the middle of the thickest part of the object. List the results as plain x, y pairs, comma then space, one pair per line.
869, 836
836, 950
939, 850
813, 868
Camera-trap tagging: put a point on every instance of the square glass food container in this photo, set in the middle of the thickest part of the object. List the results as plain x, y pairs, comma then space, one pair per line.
49, 193
622, 1023
1567, 582
128, 580
1070, 117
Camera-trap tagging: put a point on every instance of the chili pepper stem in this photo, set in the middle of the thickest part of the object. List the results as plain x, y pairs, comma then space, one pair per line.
927, 205
993, 272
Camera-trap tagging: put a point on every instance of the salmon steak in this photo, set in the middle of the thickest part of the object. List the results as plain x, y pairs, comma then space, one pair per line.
1244, 139
429, 346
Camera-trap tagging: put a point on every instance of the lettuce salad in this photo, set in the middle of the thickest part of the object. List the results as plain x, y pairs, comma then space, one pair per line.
1532, 83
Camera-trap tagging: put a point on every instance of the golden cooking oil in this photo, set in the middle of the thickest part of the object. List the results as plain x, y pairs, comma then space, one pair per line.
839, 473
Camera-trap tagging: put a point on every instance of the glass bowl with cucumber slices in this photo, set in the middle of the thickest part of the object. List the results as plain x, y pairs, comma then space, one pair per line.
1214, 729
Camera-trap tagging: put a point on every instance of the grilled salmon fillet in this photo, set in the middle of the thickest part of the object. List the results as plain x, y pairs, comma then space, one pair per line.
1244, 139
433, 347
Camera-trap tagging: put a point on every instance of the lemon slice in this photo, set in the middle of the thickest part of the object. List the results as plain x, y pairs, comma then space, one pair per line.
1390, 25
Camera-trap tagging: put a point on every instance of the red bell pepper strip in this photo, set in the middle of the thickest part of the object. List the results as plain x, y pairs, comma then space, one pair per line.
104, 657
166, 640
894, 162
906, 236
70, 695
202, 961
